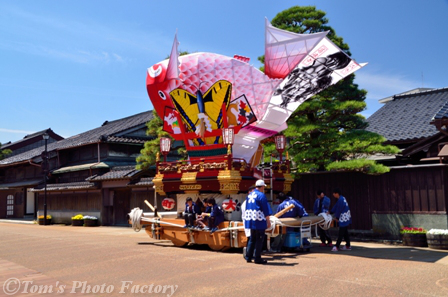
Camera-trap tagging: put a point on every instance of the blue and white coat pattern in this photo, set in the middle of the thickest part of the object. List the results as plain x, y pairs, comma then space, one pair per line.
325, 205
297, 211
341, 211
257, 209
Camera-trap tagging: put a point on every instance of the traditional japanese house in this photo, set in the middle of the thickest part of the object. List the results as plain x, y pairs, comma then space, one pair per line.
31, 141
413, 121
415, 191
87, 173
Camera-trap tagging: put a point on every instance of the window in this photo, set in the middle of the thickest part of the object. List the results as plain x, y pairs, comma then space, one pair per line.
10, 205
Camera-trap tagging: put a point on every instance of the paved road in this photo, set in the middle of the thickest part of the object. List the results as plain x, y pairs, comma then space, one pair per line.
74, 259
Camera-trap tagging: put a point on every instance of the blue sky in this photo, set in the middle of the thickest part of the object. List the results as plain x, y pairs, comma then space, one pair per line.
71, 65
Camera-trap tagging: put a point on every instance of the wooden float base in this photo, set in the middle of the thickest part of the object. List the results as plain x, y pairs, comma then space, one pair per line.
218, 241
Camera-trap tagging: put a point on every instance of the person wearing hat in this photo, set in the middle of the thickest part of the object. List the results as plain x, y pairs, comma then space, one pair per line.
243, 212
256, 218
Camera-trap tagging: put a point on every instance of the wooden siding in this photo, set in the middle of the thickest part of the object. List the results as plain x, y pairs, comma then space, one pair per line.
405, 190
140, 195
410, 190
77, 201
121, 208
18, 203
353, 186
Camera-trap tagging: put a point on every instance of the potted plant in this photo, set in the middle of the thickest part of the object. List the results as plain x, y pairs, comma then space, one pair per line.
437, 239
90, 221
78, 220
413, 236
41, 220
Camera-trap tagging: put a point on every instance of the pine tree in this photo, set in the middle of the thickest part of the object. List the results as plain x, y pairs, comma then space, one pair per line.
151, 148
4, 153
327, 132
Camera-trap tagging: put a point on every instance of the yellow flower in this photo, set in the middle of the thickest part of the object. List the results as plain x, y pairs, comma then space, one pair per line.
48, 217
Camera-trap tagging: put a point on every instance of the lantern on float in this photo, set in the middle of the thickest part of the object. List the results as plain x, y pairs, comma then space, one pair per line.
229, 205
165, 146
280, 143
168, 203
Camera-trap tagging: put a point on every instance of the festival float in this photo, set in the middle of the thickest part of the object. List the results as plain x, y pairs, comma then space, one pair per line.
221, 108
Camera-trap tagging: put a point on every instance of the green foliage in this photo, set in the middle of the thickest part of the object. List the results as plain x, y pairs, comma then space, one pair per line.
307, 19
362, 165
269, 149
4, 153
148, 154
151, 148
326, 132
412, 230
181, 53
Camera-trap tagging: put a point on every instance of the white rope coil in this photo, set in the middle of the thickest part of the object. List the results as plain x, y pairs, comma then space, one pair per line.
274, 222
325, 223
328, 219
135, 215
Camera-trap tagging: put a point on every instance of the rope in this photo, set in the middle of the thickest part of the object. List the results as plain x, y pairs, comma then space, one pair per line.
274, 222
135, 215
158, 221
327, 220
325, 223
136, 218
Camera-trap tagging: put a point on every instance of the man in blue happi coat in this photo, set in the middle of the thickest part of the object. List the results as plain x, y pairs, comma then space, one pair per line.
342, 215
191, 209
322, 205
256, 218
216, 215
297, 211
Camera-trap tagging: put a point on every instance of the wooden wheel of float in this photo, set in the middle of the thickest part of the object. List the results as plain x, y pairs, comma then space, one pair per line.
179, 243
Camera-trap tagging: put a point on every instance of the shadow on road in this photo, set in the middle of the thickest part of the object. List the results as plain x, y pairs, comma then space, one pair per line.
373, 251
380, 251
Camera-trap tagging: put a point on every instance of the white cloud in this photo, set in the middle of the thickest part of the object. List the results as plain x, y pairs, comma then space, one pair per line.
382, 85
76, 41
117, 57
16, 131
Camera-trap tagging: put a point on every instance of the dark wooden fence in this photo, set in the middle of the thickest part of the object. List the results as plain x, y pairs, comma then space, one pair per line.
411, 190
76, 201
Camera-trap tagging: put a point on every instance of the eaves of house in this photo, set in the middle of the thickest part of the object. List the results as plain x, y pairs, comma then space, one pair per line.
406, 118
110, 131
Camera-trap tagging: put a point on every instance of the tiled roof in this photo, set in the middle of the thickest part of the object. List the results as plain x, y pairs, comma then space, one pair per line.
123, 172
122, 139
22, 183
108, 129
416, 90
67, 186
143, 182
442, 113
408, 117
33, 135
